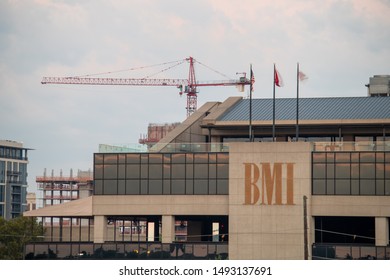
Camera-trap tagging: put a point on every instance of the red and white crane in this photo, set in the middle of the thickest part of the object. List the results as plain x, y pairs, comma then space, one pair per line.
188, 86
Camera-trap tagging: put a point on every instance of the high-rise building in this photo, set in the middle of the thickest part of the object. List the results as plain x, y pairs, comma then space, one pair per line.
13, 179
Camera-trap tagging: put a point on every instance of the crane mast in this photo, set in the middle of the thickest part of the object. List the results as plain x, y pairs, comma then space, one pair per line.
188, 86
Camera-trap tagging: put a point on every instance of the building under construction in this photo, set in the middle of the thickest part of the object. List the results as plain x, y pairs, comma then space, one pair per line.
61, 189
156, 132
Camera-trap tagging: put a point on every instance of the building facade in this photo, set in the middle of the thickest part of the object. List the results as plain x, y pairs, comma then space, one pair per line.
13, 179
206, 191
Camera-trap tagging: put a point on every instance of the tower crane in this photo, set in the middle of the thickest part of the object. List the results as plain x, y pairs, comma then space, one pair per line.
188, 86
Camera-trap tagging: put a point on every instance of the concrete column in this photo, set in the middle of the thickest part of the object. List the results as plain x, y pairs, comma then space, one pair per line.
168, 229
381, 231
100, 229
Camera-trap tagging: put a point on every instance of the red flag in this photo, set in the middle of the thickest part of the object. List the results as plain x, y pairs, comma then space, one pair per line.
278, 79
252, 79
302, 76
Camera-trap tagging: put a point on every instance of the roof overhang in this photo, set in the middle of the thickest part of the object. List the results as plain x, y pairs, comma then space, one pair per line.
77, 208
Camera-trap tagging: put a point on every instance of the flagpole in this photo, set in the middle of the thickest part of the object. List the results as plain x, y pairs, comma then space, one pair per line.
273, 109
297, 120
250, 105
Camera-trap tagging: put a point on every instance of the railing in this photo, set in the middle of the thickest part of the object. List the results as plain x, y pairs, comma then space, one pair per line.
224, 147
350, 252
351, 146
165, 148
126, 250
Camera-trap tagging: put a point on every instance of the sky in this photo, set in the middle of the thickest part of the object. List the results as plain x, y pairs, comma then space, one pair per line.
339, 45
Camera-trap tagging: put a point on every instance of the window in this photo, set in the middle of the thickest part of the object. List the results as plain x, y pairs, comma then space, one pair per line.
350, 173
161, 174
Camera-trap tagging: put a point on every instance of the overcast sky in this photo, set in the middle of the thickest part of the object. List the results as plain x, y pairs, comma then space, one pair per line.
339, 45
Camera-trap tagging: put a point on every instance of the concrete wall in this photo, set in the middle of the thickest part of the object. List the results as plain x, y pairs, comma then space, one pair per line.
266, 188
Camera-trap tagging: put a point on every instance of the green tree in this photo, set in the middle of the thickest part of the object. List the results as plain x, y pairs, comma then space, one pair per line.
15, 234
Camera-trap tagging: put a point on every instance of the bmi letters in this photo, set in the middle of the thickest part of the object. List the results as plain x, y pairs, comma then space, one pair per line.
265, 185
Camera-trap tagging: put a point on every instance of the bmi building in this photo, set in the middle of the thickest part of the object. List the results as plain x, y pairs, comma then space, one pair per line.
207, 191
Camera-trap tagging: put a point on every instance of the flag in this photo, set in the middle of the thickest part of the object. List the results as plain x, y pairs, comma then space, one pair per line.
302, 76
278, 79
252, 79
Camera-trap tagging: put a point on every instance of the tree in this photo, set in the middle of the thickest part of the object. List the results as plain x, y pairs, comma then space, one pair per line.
15, 234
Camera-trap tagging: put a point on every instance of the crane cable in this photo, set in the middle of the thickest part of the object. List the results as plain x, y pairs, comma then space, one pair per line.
130, 69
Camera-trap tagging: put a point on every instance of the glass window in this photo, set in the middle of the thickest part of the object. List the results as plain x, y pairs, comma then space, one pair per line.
330, 157
222, 170
367, 187
190, 186
355, 170
189, 158
178, 187
98, 187
330, 186
387, 171
167, 158
201, 158
144, 187
212, 186
200, 186
387, 187
178, 158
155, 187
319, 170
355, 187
380, 157
110, 187
380, 170
387, 157
222, 186
144, 171
167, 171
145, 158
343, 170
319, 157
155, 158
223, 158
189, 171
355, 157
121, 171
201, 171
367, 157
121, 187
132, 187
98, 172
110, 171
166, 186
330, 170
212, 158
132, 171
155, 171
98, 158
133, 158
178, 171
212, 171
319, 187
343, 157
122, 158
380, 187
367, 170
111, 158
343, 187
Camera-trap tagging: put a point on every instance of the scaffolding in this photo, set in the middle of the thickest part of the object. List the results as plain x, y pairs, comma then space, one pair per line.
61, 189
156, 132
